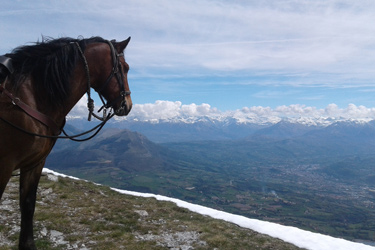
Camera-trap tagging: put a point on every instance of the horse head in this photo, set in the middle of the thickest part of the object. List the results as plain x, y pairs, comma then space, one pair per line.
109, 72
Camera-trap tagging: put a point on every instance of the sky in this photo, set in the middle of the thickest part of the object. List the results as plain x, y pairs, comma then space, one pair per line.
301, 238
231, 55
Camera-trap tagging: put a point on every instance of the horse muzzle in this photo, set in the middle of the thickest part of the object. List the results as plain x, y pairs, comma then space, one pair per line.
124, 107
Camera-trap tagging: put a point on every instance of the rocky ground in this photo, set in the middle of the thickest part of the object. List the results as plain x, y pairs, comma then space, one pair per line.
74, 214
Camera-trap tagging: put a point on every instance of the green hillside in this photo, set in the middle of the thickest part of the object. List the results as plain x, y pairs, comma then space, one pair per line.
73, 214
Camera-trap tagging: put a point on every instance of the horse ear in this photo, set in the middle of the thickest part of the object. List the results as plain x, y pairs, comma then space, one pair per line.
122, 45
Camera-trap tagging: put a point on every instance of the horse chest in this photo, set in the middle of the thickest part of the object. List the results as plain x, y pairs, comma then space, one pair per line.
18, 150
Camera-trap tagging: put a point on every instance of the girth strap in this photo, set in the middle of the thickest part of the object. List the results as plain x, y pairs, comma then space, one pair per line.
32, 112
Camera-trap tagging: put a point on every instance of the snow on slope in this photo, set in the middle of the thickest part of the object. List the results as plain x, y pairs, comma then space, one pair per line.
296, 236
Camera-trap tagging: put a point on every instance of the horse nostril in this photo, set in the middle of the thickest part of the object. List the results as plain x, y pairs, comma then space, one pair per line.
123, 110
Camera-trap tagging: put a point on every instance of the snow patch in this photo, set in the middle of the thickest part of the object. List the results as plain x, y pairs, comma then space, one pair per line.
296, 236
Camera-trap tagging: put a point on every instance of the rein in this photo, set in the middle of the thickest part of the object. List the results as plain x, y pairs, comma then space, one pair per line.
98, 128
31, 112
90, 103
49, 122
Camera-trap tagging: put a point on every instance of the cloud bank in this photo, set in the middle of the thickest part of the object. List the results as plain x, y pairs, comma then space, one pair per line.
173, 111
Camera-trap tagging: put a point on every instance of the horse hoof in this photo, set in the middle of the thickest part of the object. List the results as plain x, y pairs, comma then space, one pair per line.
30, 246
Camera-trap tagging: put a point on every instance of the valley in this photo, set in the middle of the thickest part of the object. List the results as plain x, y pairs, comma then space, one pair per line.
322, 182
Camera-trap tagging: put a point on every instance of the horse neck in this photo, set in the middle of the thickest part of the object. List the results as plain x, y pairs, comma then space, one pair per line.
28, 95
78, 89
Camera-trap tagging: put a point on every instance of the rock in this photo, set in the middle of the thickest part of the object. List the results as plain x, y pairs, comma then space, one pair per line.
142, 213
52, 177
44, 232
45, 192
57, 237
179, 240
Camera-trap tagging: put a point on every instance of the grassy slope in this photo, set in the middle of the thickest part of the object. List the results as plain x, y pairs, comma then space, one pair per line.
74, 214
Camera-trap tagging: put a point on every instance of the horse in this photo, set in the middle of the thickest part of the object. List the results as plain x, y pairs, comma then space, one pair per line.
39, 85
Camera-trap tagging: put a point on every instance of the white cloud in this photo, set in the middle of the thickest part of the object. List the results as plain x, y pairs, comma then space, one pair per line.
286, 36
293, 43
158, 110
80, 109
166, 110
281, 35
169, 111
197, 110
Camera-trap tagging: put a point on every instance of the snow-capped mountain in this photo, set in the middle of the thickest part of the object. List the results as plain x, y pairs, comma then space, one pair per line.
166, 121
176, 112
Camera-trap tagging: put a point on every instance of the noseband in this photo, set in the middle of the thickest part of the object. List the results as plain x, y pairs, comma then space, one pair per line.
116, 72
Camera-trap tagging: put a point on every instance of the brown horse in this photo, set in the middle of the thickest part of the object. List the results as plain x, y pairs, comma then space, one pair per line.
43, 83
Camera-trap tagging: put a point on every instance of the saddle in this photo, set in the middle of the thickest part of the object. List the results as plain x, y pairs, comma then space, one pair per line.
6, 67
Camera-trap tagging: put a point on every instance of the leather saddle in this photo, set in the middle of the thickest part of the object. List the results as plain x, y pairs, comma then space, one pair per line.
6, 67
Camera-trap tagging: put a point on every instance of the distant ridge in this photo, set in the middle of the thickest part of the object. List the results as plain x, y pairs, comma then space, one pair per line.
178, 129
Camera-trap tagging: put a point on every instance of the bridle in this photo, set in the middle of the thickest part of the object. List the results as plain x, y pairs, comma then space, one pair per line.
116, 71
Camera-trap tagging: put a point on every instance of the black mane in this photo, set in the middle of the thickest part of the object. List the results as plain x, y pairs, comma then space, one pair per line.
50, 63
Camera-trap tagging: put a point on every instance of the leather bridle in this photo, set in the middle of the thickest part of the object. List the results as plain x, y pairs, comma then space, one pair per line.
115, 72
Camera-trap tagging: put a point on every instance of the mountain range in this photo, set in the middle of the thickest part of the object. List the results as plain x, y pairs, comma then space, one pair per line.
200, 128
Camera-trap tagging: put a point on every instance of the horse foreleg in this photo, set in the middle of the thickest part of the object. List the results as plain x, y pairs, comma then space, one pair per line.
5, 174
28, 187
